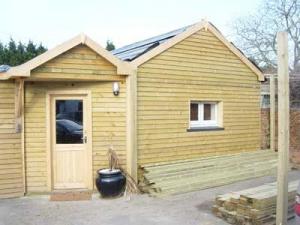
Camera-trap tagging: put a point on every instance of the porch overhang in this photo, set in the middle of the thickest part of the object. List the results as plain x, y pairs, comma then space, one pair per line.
24, 70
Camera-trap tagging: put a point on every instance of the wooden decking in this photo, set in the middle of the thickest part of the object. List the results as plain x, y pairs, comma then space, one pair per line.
191, 175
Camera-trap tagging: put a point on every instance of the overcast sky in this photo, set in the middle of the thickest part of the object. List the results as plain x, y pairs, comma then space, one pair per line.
122, 21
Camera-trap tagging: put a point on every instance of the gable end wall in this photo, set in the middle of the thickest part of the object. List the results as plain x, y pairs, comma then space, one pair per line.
198, 68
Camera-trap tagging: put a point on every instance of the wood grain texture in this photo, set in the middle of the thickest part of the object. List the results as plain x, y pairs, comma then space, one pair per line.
11, 181
199, 68
283, 128
272, 113
79, 63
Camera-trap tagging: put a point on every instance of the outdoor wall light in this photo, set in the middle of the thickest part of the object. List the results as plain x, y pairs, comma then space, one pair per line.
116, 88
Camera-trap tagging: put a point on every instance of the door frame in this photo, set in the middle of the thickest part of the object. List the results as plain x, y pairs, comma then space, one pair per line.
60, 92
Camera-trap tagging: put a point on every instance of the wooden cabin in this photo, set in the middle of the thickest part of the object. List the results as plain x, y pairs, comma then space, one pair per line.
184, 94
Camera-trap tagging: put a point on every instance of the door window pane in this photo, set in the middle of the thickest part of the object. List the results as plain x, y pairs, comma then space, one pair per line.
69, 121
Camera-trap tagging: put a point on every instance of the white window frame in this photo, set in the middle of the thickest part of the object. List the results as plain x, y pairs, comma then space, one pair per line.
201, 122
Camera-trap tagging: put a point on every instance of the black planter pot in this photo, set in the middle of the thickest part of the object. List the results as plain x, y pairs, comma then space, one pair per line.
110, 183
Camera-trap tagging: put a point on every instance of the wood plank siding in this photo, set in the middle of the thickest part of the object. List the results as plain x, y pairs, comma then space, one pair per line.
108, 111
11, 173
79, 63
199, 68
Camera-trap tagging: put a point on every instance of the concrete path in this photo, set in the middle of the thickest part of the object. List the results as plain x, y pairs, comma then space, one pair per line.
185, 209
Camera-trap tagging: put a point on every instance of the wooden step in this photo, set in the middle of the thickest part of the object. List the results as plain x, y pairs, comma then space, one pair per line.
71, 195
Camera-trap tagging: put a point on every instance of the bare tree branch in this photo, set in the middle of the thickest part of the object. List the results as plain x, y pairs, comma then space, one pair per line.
256, 34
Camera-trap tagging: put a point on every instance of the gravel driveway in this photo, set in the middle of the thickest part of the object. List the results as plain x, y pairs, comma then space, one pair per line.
191, 208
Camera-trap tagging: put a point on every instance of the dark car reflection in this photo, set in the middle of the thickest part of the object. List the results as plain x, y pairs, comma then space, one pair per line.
68, 132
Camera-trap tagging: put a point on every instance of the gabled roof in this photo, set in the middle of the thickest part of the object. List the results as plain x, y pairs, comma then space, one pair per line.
24, 69
140, 52
137, 53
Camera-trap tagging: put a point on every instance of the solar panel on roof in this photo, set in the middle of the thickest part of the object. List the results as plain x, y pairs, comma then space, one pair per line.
133, 51
4, 68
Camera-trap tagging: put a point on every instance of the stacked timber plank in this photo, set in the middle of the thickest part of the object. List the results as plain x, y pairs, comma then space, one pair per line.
191, 175
253, 206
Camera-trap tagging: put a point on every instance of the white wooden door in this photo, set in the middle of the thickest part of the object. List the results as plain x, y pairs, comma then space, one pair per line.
70, 155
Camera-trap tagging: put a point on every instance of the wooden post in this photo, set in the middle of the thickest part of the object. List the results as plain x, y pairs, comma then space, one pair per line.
19, 121
272, 112
19, 108
131, 131
283, 129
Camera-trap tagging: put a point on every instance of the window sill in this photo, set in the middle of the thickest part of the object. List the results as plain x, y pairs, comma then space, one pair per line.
195, 129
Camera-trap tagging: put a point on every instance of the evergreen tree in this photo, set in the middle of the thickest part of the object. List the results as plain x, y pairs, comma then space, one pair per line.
20, 52
13, 54
110, 45
41, 49
30, 50
1, 53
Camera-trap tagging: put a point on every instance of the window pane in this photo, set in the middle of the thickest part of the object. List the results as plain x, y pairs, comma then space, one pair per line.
213, 111
69, 118
265, 103
194, 112
207, 112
